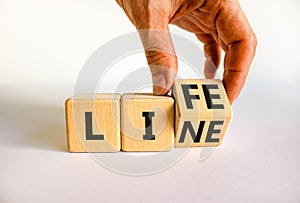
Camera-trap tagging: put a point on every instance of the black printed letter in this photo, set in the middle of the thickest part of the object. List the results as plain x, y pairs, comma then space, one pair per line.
209, 97
211, 130
89, 128
148, 126
188, 126
187, 96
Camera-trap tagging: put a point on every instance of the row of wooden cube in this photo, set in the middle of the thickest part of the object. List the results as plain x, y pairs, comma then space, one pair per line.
198, 114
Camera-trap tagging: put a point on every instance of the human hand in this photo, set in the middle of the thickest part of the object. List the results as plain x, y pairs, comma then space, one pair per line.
219, 24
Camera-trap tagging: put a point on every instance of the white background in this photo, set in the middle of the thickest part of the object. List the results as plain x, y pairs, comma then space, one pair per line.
43, 46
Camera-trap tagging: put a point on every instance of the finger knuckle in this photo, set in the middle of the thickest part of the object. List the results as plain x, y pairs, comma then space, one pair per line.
155, 57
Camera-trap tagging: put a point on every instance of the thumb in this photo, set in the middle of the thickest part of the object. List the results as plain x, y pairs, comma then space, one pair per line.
161, 58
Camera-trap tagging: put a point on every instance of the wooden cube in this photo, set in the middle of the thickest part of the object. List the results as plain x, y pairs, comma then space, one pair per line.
203, 112
147, 122
93, 123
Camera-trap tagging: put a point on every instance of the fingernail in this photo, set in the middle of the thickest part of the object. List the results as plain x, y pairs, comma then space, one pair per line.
159, 84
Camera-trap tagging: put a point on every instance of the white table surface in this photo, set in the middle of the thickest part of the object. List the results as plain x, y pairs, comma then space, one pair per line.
259, 160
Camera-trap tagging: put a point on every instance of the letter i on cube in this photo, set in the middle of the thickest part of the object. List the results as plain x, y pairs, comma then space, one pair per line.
147, 122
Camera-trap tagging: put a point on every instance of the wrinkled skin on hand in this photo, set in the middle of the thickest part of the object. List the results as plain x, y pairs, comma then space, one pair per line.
219, 24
